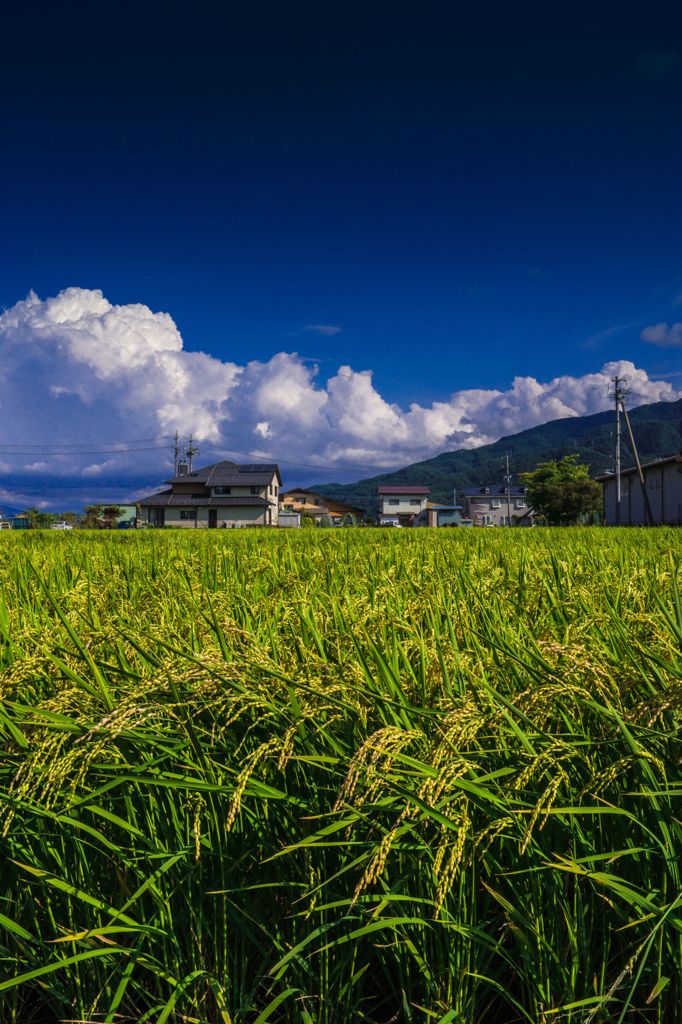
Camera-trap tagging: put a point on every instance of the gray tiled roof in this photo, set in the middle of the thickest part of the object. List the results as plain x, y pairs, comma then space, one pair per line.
166, 498
230, 474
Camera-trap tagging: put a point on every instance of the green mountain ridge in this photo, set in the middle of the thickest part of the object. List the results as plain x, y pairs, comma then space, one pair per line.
657, 429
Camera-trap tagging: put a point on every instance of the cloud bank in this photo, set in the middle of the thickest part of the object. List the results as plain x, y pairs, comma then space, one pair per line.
76, 369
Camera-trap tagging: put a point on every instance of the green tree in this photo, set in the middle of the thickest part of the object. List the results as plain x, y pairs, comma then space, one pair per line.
562, 491
92, 518
110, 514
40, 520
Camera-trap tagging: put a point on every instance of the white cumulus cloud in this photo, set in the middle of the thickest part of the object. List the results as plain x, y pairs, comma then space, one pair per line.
664, 335
76, 370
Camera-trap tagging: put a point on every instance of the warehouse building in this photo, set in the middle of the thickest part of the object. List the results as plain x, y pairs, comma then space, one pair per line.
663, 482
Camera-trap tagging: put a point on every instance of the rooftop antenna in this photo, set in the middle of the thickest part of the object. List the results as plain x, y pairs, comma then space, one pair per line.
191, 452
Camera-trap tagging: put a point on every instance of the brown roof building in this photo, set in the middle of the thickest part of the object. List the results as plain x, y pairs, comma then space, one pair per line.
298, 499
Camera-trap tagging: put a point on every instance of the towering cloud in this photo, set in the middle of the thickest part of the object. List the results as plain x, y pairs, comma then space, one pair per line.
76, 368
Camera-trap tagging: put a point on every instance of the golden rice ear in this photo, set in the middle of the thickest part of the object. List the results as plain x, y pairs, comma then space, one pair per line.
340, 776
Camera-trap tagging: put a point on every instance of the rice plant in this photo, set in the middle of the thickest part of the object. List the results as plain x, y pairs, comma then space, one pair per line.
421, 776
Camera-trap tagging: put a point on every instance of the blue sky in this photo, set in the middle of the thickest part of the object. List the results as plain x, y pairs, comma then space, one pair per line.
466, 202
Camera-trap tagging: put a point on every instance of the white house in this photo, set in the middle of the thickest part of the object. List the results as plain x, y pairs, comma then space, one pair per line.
401, 505
224, 494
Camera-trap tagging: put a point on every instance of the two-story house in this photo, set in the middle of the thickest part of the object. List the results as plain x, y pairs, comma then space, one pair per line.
310, 503
497, 506
401, 505
224, 494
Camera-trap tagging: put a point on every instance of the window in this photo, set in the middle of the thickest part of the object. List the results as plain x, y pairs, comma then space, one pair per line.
222, 490
316, 501
188, 513
495, 503
394, 501
415, 501
255, 490
519, 503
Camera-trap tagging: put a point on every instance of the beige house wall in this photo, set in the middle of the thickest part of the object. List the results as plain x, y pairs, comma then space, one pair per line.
404, 506
230, 517
243, 492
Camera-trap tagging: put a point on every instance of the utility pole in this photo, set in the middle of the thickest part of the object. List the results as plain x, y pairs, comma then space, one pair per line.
619, 392
507, 480
191, 452
648, 514
176, 449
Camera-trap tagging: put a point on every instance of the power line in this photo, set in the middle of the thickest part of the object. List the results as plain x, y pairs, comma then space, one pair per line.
83, 451
123, 448
42, 446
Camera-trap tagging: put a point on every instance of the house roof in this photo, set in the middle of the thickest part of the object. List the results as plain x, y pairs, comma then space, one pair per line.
668, 459
408, 489
329, 504
230, 474
166, 498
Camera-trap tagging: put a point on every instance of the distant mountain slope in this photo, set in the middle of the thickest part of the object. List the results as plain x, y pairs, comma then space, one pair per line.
7, 511
657, 429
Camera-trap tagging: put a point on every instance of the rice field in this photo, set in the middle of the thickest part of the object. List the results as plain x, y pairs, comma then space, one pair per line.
336, 776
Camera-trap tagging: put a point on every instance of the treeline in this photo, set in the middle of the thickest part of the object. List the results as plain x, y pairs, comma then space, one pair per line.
93, 517
657, 427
